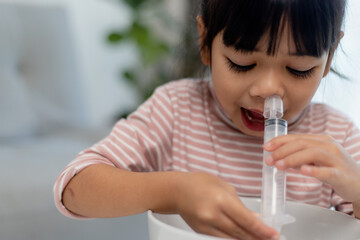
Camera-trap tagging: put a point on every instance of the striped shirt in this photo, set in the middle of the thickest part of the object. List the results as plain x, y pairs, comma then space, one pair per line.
182, 127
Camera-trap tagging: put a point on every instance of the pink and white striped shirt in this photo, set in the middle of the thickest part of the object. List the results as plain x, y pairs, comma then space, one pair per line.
182, 127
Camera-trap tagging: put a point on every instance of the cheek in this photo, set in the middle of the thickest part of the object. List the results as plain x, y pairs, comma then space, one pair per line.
226, 93
300, 96
227, 86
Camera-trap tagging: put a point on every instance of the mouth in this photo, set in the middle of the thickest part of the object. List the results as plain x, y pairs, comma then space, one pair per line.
253, 120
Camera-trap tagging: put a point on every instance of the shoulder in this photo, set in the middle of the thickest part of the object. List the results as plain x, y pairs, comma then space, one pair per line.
326, 113
181, 85
323, 119
183, 88
171, 94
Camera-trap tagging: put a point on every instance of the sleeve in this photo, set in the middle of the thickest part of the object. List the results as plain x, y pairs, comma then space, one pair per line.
352, 146
142, 142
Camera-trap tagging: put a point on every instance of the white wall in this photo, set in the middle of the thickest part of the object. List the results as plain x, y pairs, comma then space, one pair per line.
102, 91
101, 63
339, 93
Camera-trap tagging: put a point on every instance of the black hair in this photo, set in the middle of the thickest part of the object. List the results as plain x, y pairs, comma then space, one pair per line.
315, 24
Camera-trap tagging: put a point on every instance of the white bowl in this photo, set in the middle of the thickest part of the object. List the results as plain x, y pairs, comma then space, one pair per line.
312, 223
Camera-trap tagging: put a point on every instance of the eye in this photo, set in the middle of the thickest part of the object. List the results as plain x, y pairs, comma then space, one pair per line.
239, 68
300, 74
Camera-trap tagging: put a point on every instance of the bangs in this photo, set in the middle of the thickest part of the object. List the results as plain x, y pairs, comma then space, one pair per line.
314, 24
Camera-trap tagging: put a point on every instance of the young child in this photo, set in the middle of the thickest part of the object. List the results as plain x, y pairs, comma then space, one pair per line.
197, 144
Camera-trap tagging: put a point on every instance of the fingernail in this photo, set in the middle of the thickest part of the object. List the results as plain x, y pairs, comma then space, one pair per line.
267, 145
269, 160
280, 164
306, 169
275, 237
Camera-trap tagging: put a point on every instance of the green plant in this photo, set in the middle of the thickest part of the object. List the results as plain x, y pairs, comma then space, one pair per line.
152, 48
160, 59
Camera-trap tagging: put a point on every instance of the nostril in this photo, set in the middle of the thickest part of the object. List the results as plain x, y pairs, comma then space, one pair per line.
266, 90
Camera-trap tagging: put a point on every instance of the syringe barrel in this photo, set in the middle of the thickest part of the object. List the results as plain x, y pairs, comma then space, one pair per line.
274, 181
274, 127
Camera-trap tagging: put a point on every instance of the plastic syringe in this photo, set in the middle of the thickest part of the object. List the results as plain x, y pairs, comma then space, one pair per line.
273, 193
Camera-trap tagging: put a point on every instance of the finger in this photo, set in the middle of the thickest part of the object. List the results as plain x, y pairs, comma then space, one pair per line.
296, 146
223, 227
306, 157
324, 174
228, 227
283, 151
247, 220
207, 228
284, 139
212, 231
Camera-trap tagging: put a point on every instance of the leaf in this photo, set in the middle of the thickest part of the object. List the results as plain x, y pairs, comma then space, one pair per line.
139, 33
129, 76
153, 51
115, 37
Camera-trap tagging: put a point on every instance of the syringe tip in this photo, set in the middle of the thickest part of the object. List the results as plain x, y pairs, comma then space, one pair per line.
273, 107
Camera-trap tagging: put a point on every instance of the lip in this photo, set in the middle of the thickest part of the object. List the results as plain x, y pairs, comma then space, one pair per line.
256, 111
257, 125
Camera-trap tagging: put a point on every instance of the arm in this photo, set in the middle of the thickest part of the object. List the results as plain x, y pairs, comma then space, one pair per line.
105, 191
206, 203
140, 143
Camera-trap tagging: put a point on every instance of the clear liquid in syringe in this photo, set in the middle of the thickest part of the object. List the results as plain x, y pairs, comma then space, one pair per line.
274, 181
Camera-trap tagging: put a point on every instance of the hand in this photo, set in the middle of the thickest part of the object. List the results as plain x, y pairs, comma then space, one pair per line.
211, 206
317, 156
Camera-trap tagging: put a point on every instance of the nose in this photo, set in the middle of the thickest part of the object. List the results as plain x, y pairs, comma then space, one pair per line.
267, 84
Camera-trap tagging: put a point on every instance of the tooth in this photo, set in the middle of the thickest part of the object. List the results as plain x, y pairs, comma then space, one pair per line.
248, 116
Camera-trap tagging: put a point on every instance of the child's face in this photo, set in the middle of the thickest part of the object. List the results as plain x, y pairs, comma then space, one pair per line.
242, 81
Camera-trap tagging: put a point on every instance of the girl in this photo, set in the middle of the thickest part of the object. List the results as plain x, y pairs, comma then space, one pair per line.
196, 145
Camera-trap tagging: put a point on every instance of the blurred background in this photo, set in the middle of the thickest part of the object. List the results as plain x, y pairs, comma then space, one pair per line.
70, 69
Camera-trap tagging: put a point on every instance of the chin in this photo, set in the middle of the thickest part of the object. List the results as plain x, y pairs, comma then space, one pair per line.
254, 133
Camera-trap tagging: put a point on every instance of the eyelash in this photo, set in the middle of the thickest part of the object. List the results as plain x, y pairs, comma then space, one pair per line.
239, 68
301, 74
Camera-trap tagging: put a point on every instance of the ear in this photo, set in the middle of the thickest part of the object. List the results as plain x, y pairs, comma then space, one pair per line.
331, 55
204, 52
